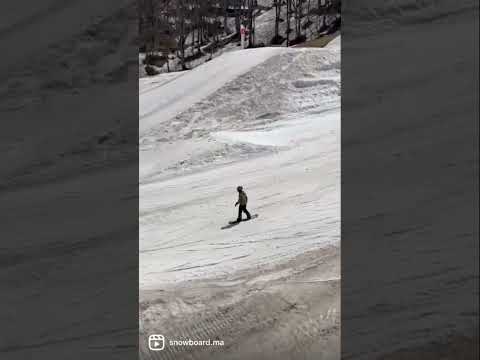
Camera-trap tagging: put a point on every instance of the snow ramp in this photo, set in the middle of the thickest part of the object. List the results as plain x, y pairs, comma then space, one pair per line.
162, 103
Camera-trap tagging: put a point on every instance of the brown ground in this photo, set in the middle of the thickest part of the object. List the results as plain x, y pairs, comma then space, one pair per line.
320, 42
290, 311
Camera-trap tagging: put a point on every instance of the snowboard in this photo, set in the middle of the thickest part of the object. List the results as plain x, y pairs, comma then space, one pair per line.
236, 222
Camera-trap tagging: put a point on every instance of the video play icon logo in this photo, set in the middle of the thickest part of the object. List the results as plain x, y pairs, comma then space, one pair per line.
156, 342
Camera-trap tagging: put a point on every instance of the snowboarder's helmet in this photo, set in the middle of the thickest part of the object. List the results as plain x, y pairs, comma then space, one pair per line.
239, 188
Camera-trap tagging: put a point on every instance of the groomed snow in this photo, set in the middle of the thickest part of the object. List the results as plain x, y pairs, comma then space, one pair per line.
163, 103
268, 119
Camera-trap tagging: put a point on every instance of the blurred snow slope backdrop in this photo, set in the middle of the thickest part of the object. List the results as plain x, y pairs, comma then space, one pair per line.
268, 119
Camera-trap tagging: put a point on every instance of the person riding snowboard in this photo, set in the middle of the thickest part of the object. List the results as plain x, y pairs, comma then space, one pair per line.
242, 200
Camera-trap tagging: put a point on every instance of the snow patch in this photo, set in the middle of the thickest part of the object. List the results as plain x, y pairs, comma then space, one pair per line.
268, 119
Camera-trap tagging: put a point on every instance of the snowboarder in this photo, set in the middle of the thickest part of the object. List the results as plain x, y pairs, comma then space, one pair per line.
242, 201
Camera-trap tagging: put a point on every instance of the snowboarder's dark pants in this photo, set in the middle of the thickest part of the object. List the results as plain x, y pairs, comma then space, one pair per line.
243, 208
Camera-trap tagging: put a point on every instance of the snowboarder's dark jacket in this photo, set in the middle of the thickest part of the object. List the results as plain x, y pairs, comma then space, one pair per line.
242, 198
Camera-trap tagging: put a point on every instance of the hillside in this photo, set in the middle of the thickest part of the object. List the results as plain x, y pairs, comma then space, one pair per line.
268, 119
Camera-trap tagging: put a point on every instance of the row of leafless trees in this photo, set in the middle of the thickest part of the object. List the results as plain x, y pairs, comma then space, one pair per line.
168, 26
298, 10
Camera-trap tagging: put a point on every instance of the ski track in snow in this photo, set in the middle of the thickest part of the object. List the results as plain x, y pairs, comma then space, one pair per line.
266, 118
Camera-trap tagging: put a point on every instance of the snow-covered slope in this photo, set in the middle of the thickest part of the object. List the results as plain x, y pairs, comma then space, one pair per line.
268, 119
161, 104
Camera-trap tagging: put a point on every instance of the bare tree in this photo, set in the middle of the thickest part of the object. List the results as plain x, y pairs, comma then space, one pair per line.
298, 14
251, 7
277, 4
289, 15
308, 11
155, 31
180, 28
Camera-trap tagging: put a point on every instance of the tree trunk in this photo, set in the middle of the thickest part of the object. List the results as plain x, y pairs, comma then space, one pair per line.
181, 31
278, 7
289, 14
225, 16
238, 14
250, 24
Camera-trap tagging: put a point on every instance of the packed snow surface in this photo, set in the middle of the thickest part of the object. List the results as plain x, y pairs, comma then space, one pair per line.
161, 104
267, 119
